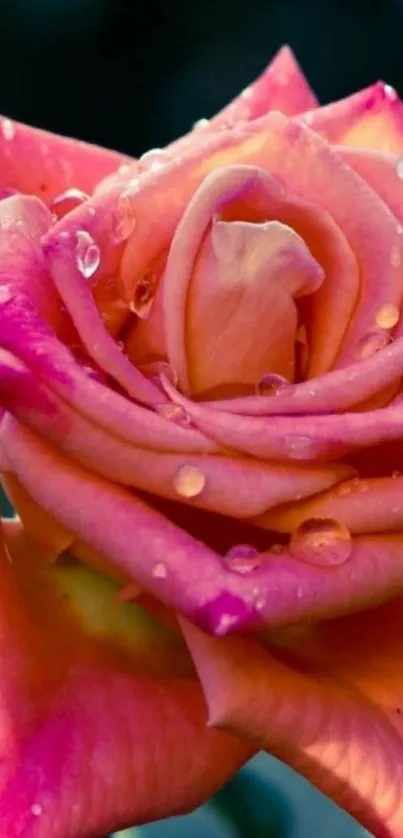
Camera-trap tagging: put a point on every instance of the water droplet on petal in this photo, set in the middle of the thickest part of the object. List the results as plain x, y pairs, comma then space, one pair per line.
271, 385
189, 481
300, 592
395, 256
154, 159
36, 810
144, 293
200, 123
6, 294
224, 623
371, 343
387, 316
67, 201
396, 474
242, 558
8, 129
247, 93
260, 603
123, 219
343, 490
174, 413
300, 447
390, 92
159, 571
321, 541
399, 168
88, 254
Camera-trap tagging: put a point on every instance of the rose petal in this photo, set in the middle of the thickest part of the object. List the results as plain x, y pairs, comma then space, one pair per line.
81, 676
184, 573
313, 438
241, 192
364, 506
89, 324
261, 485
246, 273
32, 317
293, 153
335, 391
44, 164
371, 118
335, 732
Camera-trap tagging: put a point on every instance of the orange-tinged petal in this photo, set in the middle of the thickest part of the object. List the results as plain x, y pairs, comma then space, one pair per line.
78, 678
364, 506
41, 163
301, 704
371, 118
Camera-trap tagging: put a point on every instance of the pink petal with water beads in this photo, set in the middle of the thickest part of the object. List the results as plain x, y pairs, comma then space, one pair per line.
135, 538
40, 163
281, 87
369, 119
379, 364
72, 259
370, 505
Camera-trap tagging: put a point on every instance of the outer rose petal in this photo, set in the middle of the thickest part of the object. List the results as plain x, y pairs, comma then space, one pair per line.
184, 572
44, 164
326, 700
77, 675
371, 118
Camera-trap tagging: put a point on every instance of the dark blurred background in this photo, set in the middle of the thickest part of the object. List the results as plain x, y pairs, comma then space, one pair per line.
133, 75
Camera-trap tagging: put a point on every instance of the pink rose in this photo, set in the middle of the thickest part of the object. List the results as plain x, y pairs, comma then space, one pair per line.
203, 436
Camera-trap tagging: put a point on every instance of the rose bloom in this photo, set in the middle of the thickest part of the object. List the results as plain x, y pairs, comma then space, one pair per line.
202, 434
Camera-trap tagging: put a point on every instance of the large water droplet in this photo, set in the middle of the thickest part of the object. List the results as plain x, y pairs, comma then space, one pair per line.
371, 343
321, 541
123, 219
242, 558
154, 159
271, 385
387, 316
300, 447
67, 201
144, 294
88, 254
36, 810
8, 129
189, 481
174, 413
